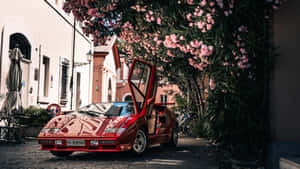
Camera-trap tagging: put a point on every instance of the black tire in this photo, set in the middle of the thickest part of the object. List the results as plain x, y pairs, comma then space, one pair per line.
140, 143
174, 139
61, 153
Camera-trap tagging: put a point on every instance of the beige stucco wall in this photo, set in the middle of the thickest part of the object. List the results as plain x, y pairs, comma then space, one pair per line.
45, 28
168, 89
285, 83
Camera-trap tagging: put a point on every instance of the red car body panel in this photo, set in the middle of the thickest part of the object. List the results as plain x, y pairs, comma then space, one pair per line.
83, 129
83, 126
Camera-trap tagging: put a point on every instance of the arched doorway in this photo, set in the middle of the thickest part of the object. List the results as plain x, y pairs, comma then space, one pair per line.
20, 41
127, 98
24, 45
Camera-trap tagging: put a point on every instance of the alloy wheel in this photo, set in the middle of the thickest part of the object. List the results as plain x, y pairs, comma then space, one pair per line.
140, 142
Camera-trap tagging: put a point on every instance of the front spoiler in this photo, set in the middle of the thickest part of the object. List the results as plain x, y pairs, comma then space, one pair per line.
115, 148
99, 148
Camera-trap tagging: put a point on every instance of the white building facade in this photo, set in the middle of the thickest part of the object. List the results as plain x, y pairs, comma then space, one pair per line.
50, 44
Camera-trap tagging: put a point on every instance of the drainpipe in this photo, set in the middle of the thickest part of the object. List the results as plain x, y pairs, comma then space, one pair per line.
91, 56
39, 76
73, 56
1, 55
89, 82
59, 77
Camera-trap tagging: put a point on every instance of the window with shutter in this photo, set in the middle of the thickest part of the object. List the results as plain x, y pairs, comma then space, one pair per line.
64, 80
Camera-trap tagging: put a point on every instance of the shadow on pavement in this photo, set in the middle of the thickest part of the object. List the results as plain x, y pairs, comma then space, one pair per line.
190, 153
150, 154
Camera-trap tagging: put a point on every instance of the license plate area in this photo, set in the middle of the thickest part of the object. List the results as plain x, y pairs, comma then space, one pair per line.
77, 143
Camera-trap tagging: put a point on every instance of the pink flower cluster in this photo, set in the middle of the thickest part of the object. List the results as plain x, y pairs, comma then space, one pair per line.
170, 41
85, 3
127, 48
277, 3
109, 7
212, 85
220, 3
202, 2
148, 44
202, 57
139, 8
198, 49
199, 60
127, 33
150, 17
228, 12
241, 54
199, 19
197, 65
243, 29
190, 2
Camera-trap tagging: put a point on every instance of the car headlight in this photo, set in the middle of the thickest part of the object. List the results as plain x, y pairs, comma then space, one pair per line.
111, 130
118, 131
50, 130
44, 130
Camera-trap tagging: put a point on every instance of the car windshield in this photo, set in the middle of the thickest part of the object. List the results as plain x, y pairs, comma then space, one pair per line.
108, 109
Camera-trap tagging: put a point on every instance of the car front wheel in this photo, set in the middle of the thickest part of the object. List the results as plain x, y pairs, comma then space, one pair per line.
140, 142
61, 153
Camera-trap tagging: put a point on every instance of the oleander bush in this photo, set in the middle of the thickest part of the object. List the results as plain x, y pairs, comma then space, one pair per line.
218, 52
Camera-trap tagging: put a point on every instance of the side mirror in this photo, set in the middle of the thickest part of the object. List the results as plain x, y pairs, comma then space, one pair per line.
150, 101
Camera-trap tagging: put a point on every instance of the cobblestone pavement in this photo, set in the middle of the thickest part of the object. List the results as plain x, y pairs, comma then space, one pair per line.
190, 154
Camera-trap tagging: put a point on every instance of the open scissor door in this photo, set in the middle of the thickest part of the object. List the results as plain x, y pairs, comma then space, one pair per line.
142, 85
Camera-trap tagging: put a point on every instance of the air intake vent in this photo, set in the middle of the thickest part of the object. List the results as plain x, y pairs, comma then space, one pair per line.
109, 147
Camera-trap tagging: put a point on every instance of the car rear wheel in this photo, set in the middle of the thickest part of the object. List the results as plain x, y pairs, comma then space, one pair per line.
140, 143
61, 153
174, 139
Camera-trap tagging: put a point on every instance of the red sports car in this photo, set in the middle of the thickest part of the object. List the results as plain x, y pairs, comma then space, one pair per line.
118, 126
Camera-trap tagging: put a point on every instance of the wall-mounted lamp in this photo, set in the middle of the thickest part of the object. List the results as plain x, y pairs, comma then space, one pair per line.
89, 56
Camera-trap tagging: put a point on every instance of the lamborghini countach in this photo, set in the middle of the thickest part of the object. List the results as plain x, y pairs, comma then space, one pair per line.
117, 126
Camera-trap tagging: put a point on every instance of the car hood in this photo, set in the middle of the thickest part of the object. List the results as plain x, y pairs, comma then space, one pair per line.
79, 125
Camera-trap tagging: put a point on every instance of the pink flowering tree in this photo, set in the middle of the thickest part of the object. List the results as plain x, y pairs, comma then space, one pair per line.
217, 51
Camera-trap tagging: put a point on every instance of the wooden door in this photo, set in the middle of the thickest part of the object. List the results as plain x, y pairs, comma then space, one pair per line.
97, 77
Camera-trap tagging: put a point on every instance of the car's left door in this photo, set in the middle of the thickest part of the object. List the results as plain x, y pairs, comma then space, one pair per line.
143, 84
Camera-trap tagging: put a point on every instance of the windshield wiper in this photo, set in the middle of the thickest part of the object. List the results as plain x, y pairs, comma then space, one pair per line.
91, 113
